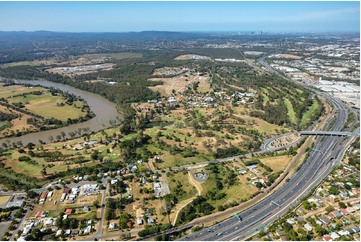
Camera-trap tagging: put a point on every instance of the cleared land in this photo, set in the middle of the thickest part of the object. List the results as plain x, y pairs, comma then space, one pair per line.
19, 123
45, 104
4, 200
80, 70
289, 56
9, 91
192, 57
277, 163
179, 83
116, 56
86, 59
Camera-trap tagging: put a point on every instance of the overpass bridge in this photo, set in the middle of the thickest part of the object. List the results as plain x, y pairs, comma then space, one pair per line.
328, 133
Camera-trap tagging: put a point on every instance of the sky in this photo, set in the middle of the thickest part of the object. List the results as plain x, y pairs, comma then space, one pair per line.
180, 16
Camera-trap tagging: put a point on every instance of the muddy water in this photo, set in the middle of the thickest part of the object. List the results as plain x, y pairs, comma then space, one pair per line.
103, 109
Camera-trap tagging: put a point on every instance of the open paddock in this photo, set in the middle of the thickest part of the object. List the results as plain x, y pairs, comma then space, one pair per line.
277, 163
4, 200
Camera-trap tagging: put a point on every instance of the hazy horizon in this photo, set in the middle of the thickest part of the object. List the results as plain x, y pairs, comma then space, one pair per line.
120, 17
174, 31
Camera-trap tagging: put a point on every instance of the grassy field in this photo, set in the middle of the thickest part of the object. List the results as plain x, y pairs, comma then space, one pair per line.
243, 190
46, 106
3, 125
8, 91
277, 163
183, 179
265, 97
34, 170
178, 160
179, 83
263, 126
307, 115
19, 123
4, 200
291, 112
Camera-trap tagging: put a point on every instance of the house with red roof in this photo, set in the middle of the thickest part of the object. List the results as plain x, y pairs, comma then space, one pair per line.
327, 238
344, 212
68, 211
331, 216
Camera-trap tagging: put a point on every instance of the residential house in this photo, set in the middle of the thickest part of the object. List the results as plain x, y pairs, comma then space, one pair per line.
344, 212
291, 221
139, 221
58, 233
318, 222
112, 225
343, 232
331, 216
337, 214
334, 236
308, 227
326, 238
356, 229
242, 171
150, 221
324, 220
38, 214
280, 232
43, 197
67, 232
63, 197
172, 101
88, 229
68, 211
344, 195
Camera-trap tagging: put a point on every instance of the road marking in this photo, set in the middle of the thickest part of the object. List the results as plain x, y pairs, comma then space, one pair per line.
273, 202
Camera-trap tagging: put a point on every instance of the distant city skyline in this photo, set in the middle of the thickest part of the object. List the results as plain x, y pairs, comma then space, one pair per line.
180, 16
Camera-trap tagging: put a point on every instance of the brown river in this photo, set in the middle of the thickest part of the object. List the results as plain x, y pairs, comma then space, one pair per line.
103, 109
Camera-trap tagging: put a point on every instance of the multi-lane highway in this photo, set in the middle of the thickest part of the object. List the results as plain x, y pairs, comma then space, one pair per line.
322, 158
